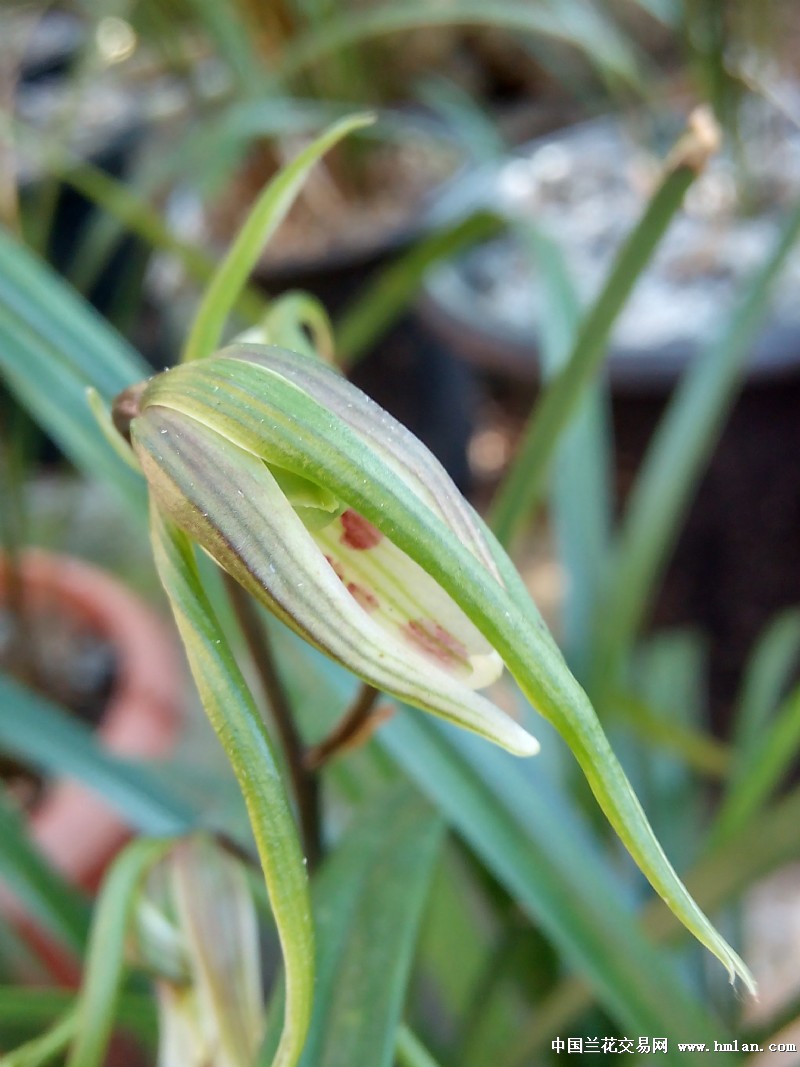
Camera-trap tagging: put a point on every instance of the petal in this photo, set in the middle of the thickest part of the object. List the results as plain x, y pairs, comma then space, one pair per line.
229, 502
405, 601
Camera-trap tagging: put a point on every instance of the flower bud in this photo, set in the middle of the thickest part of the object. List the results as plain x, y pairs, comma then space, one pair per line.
242, 451
196, 931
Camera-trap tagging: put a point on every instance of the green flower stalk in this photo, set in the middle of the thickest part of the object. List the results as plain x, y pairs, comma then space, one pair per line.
341, 523
220, 443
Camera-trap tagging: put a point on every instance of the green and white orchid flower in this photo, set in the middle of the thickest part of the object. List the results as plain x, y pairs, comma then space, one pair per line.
220, 444
341, 523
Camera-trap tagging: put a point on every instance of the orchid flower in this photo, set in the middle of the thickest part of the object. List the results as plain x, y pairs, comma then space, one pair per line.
343, 525
220, 442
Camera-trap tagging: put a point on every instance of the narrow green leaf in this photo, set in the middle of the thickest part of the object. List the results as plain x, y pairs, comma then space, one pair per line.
39, 1008
45, 1047
235, 718
367, 902
535, 845
675, 460
265, 216
571, 21
367, 997
299, 322
63, 323
717, 879
380, 304
524, 482
105, 962
41, 734
411, 1052
52, 346
760, 769
581, 487
135, 215
44, 894
729, 867
531, 836
769, 671
55, 396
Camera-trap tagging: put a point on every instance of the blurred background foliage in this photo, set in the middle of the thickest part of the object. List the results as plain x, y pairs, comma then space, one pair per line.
654, 516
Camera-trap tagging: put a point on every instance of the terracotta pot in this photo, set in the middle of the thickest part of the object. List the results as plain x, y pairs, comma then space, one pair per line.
73, 826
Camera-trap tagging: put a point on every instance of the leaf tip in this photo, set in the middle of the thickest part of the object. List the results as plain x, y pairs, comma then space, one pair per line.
737, 968
699, 143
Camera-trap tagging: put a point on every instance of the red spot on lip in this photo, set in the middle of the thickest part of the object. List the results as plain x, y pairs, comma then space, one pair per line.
435, 641
358, 533
367, 600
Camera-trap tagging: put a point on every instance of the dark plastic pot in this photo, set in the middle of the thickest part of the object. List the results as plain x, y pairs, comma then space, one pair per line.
112, 149
100, 120
50, 43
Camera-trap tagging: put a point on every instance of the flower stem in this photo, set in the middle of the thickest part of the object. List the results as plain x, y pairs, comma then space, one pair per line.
356, 724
